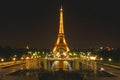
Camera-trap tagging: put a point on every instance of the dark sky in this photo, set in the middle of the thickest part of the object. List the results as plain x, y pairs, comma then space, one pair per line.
87, 23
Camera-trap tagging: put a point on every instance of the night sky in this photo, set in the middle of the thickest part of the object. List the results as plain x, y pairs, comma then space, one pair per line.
87, 23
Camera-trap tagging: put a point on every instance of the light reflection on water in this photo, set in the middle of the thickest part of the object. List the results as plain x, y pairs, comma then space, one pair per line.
61, 75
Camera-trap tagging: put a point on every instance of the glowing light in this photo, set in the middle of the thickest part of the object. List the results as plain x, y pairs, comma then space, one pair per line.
109, 59
101, 69
27, 58
74, 54
57, 54
108, 48
14, 59
56, 62
29, 52
27, 47
101, 48
2, 60
93, 57
101, 58
22, 58
65, 62
88, 53
35, 54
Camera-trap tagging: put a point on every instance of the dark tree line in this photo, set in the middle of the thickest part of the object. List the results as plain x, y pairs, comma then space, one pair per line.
114, 54
7, 52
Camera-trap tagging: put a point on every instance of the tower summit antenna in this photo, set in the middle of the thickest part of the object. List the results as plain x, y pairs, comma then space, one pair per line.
61, 8
61, 30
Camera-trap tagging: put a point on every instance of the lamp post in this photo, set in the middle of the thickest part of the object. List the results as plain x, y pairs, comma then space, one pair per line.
14, 59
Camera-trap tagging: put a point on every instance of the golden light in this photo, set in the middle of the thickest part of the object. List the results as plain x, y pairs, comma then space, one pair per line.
27, 47
2, 60
93, 57
101, 58
14, 59
64, 54
57, 54
109, 59
101, 69
27, 58
22, 58
56, 62
65, 62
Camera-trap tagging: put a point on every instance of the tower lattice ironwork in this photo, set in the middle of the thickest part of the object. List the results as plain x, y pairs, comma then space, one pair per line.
61, 41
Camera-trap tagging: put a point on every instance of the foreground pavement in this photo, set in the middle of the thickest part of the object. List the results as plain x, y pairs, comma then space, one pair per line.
59, 75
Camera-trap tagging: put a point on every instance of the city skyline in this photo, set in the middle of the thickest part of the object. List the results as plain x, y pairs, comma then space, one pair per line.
86, 23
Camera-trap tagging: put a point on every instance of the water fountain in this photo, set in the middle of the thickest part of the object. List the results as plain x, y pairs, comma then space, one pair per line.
65, 65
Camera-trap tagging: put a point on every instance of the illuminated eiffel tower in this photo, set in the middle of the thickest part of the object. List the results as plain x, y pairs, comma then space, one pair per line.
61, 43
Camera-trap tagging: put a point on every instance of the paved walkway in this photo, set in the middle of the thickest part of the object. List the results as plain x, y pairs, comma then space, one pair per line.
9, 67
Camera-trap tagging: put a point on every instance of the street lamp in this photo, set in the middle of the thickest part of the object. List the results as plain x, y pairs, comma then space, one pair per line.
22, 58
27, 58
109, 59
101, 59
2, 60
14, 59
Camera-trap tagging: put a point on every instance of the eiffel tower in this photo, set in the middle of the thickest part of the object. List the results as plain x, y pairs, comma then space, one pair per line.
61, 43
